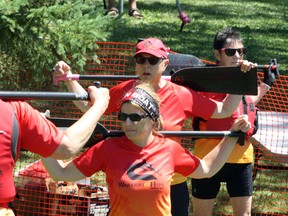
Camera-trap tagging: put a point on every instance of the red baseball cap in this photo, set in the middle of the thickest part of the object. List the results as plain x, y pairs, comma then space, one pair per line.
152, 46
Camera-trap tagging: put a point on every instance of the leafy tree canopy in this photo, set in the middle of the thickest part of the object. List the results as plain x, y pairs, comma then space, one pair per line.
34, 35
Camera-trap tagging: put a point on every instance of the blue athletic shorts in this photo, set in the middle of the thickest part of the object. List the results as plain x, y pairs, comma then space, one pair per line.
238, 178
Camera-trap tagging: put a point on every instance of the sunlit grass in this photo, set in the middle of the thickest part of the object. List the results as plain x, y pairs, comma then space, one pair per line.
263, 24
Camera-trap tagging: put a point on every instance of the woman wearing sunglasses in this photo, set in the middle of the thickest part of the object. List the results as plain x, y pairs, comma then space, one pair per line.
139, 165
177, 103
237, 172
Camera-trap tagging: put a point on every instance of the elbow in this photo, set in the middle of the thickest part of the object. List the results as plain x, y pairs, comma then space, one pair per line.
225, 113
68, 153
64, 152
208, 170
209, 175
221, 112
67, 148
201, 175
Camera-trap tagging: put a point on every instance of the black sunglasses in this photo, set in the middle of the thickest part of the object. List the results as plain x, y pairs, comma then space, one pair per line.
231, 51
152, 60
133, 117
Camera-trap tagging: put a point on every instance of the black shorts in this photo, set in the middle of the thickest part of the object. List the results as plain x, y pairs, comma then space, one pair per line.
238, 178
179, 199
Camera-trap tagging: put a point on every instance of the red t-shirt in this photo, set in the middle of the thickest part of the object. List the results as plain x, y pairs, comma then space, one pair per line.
138, 178
36, 134
177, 103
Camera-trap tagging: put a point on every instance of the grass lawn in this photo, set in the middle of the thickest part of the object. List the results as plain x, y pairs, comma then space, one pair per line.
263, 25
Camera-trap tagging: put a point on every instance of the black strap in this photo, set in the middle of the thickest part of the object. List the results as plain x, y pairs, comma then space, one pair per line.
196, 123
242, 138
251, 107
245, 111
14, 149
15, 135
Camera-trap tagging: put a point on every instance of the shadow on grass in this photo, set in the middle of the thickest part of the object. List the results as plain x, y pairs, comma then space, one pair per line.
263, 33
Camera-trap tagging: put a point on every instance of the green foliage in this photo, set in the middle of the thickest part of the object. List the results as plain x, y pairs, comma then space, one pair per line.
36, 34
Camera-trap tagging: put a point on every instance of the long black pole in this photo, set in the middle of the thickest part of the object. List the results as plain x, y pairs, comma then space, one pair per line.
37, 95
63, 123
101, 132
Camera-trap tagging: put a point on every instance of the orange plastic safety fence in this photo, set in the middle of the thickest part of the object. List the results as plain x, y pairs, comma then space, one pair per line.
40, 195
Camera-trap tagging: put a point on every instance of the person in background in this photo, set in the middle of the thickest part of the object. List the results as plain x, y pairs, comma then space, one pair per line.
22, 126
140, 164
177, 103
133, 10
237, 172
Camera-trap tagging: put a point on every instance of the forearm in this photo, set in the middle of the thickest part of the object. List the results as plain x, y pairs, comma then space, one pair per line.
225, 108
78, 134
262, 90
218, 156
63, 69
215, 159
74, 86
60, 171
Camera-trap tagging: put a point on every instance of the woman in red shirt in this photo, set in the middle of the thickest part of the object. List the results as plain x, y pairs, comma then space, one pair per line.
139, 165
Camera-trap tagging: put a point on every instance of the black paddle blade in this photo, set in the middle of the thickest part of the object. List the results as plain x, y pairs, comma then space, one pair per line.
230, 80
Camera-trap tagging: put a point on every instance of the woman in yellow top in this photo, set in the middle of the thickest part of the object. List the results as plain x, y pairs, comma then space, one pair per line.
237, 172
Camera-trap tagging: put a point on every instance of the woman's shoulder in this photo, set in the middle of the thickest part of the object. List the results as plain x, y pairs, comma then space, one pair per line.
182, 94
166, 141
108, 145
128, 84
176, 89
